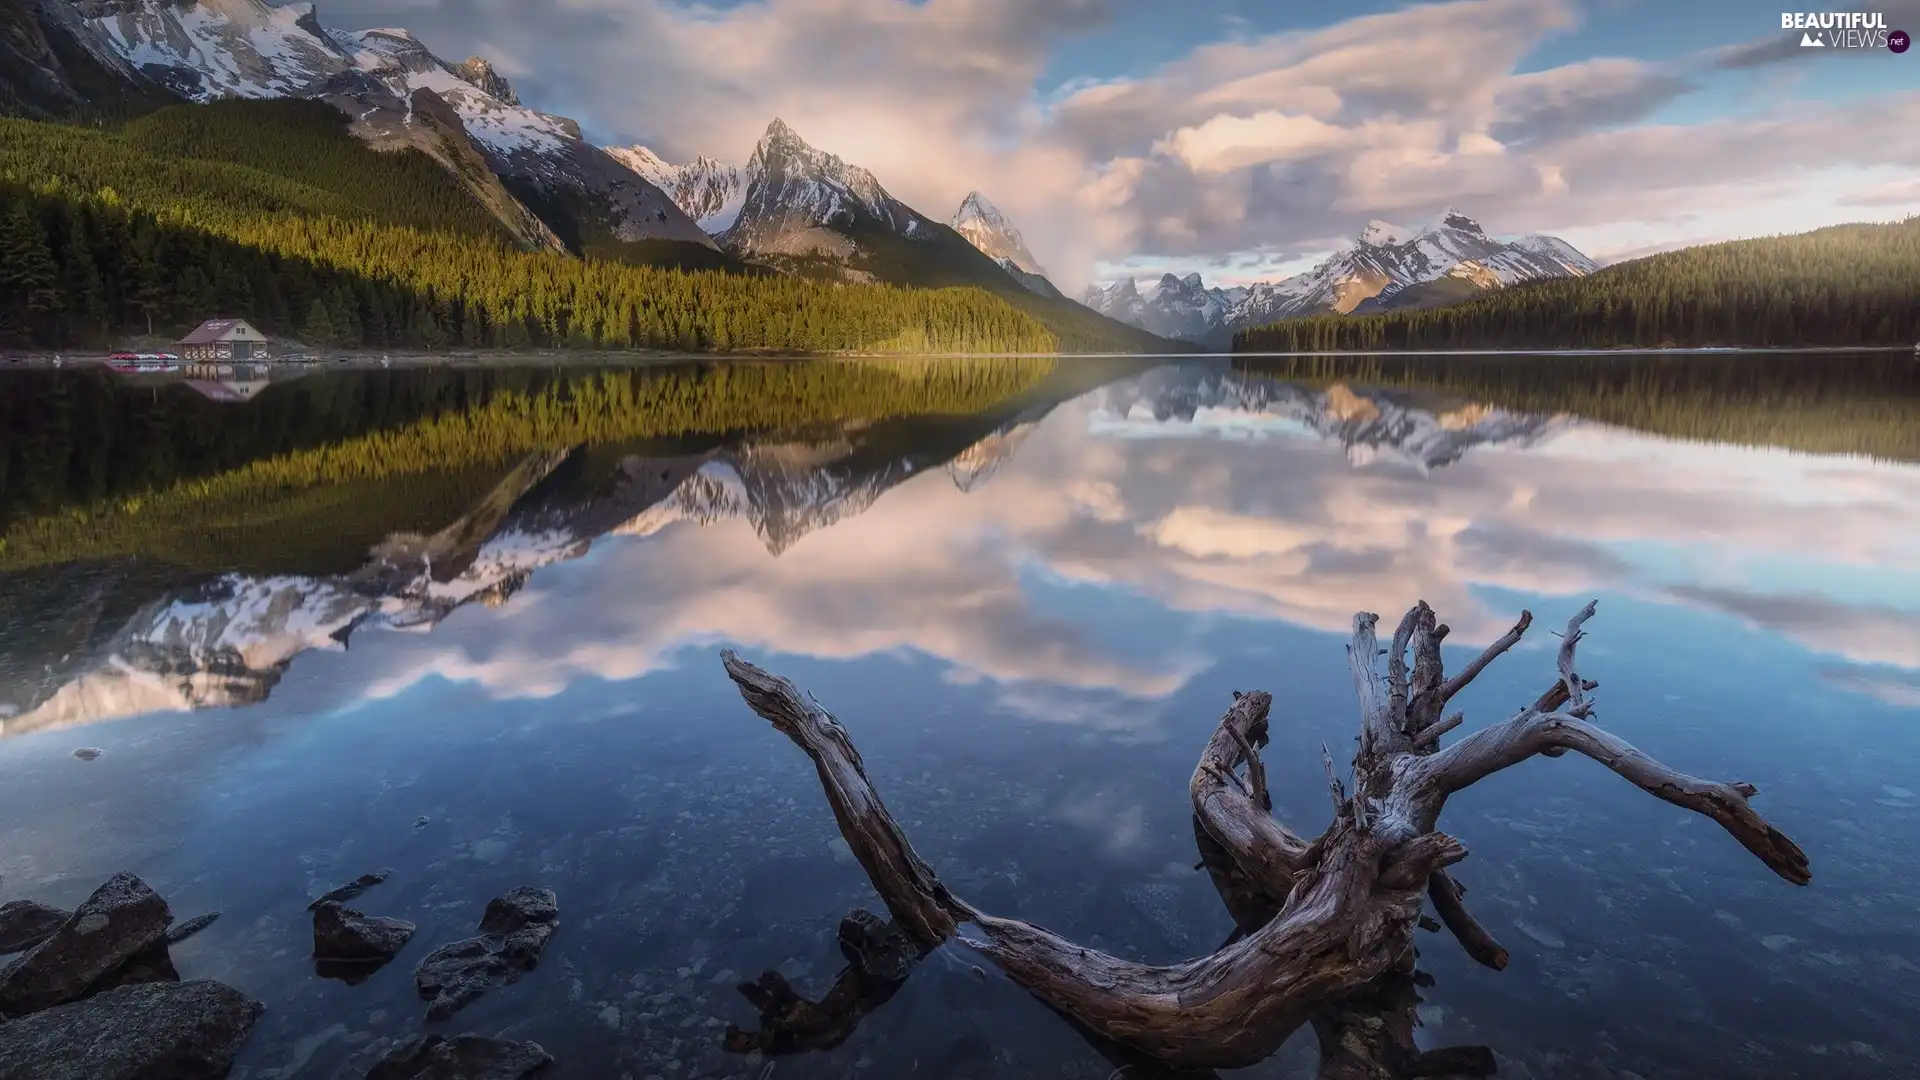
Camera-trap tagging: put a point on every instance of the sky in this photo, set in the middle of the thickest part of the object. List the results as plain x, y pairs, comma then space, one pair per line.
1245, 139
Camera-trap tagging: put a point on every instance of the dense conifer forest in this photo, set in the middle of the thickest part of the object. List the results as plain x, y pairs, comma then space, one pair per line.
273, 211
1848, 285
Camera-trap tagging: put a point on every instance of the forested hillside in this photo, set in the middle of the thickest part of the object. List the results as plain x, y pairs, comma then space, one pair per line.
1845, 285
272, 211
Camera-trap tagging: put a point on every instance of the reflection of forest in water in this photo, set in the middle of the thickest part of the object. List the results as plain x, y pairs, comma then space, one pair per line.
1845, 403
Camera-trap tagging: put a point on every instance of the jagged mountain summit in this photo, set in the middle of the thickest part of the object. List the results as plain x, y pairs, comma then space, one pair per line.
1391, 267
711, 193
986, 228
1175, 307
799, 201
209, 49
1388, 267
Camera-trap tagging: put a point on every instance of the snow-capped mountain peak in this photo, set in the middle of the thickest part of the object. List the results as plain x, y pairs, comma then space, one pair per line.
1379, 232
799, 201
986, 228
1445, 260
710, 192
1178, 307
482, 76
209, 49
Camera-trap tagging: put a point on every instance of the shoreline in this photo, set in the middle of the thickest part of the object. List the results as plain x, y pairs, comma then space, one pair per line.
18, 361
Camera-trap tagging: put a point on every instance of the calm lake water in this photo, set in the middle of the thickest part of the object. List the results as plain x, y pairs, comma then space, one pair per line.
1027, 594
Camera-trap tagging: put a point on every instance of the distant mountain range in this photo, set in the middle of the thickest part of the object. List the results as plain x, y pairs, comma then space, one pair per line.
227, 641
1388, 268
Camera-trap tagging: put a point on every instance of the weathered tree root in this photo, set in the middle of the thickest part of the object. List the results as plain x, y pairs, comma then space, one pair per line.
1344, 905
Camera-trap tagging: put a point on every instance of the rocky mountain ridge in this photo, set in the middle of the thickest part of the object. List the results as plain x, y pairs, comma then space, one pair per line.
209, 49
1387, 268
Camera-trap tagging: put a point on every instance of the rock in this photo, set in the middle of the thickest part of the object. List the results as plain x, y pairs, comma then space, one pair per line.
341, 933
517, 908
123, 919
24, 924
88, 753
513, 933
180, 932
463, 1057
351, 889
149, 966
159, 1031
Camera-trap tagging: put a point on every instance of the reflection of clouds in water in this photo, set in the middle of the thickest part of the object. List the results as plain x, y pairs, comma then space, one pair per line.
1275, 529
1899, 689
1120, 825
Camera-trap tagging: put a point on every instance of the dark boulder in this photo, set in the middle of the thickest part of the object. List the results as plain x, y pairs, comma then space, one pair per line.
122, 920
351, 889
464, 1057
157, 1031
513, 933
24, 924
341, 933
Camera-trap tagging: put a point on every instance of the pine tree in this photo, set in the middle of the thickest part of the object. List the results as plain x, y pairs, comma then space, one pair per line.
319, 330
28, 276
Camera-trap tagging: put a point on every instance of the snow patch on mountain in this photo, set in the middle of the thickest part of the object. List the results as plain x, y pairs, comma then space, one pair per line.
403, 64
710, 192
986, 228
207, 49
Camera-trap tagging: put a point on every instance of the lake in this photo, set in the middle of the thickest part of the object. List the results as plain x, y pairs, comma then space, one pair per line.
466, 625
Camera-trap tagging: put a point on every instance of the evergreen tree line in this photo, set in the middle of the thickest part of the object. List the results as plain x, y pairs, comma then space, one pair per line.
1848, 285
1858, 403
309, 234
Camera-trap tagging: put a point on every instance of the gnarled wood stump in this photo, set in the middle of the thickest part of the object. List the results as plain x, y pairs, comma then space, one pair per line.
1325, 920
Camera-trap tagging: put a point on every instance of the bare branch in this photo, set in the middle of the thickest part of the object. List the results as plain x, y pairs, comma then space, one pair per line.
1575, 687
1479, 663
1489, 750
921, 906
1362, 657
1446, 896
1424, 702
1238, 819
1397, 664
1417, 859
1430, 736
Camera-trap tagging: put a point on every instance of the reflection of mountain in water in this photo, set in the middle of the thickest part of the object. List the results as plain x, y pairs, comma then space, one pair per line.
226, 642
1423, 430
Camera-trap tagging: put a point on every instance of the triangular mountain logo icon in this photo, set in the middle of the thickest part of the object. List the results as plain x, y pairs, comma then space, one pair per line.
1808, 41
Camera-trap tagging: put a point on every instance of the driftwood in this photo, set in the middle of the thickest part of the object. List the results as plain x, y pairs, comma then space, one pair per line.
1327, 923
